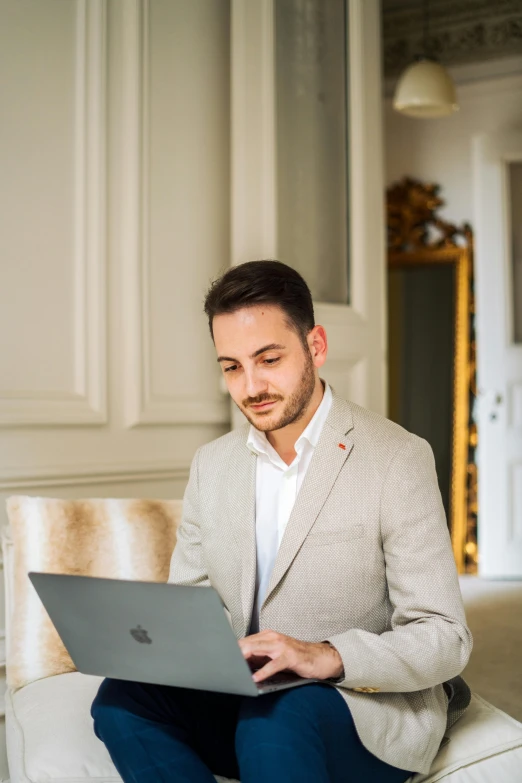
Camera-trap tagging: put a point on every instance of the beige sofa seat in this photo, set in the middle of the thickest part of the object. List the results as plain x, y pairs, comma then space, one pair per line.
50, 738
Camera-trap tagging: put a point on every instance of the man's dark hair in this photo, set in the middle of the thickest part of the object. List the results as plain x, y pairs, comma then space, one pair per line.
263, 283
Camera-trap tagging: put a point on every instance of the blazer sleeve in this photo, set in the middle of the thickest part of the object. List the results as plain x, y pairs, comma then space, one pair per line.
187, 566
429, 641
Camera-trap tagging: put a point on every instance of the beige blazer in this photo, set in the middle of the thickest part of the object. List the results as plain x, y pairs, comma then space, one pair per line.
365, 562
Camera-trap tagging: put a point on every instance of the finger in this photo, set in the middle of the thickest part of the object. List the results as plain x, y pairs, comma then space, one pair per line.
272, 667
261, 647
248, 646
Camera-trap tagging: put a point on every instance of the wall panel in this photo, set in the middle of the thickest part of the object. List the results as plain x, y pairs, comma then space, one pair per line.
52, 201
178, 200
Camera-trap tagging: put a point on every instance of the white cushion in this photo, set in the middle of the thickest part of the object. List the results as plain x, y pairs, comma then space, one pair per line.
485, 746
50, 737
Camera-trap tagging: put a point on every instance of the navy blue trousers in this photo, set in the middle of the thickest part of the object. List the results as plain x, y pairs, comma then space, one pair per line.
301, 735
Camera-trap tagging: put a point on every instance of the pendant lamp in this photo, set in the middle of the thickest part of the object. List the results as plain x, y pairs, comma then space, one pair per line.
425, 88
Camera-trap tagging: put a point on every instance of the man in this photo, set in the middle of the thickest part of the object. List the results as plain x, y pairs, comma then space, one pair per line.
321, 526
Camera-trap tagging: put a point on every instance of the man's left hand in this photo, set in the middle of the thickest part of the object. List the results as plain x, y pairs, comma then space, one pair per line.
317, 660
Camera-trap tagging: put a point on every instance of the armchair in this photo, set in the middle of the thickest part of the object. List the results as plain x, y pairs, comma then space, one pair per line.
48, 723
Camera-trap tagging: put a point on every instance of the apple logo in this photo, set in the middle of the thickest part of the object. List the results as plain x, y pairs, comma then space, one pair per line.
141, 635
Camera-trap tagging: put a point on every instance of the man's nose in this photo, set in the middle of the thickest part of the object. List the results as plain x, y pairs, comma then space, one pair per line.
254, 384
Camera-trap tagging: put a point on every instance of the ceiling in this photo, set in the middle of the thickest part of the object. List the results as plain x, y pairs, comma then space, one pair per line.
460, 31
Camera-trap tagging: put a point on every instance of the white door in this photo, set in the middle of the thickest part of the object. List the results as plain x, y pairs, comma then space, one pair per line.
498, 261
304, 74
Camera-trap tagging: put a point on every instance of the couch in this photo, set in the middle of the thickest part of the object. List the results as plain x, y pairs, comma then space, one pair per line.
48, 724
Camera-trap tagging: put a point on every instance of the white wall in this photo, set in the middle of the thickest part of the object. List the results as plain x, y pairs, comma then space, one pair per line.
114, 210
439, 150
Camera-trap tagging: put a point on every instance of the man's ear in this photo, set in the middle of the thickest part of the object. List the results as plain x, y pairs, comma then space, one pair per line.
318, 345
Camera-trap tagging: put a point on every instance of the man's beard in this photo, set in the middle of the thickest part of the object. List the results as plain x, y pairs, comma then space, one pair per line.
295, 407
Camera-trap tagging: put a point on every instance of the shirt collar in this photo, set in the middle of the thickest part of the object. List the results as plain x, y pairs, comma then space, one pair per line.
257, 441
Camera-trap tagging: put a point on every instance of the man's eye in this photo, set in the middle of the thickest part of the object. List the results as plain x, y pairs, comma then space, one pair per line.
271, 361
231, 368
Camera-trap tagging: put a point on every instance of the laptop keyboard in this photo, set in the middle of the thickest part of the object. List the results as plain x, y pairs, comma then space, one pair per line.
281, 678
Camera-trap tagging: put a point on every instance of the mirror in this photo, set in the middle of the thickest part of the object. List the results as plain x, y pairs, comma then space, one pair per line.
431, 366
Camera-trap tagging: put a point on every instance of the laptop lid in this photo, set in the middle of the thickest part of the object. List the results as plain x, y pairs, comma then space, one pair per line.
146, 632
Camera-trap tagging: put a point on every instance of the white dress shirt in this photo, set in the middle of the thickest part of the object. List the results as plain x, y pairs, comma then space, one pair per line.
277, 486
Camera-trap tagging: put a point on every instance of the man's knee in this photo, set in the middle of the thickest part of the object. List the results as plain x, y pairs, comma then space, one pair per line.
295, 712
112, 699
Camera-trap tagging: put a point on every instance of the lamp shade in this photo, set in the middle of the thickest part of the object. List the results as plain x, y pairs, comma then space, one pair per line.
425, 89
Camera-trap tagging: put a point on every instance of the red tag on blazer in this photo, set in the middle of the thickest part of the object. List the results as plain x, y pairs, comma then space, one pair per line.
342, 446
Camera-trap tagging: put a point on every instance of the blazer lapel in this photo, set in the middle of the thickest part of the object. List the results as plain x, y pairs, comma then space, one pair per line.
241, 489
331, 452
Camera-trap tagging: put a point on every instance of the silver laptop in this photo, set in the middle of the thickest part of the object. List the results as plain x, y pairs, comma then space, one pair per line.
149, 632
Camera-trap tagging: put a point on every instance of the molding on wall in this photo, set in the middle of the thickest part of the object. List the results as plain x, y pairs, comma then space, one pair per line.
367, 238
515, 503
3, 656
514, 407
2, 671
253, 132
86, 404
37, 478
143, 406
253, 165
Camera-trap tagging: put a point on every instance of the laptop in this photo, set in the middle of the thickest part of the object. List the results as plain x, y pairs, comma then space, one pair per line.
151, 632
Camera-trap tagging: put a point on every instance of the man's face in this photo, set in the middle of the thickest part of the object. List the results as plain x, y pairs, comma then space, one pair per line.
270, 375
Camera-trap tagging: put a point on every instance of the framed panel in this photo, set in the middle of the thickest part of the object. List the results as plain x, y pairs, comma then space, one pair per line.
80, 395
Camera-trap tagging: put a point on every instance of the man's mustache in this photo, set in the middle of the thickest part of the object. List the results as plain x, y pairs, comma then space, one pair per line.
248, 401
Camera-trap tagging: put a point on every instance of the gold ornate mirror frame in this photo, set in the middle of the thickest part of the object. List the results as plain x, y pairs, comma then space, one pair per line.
418, 237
